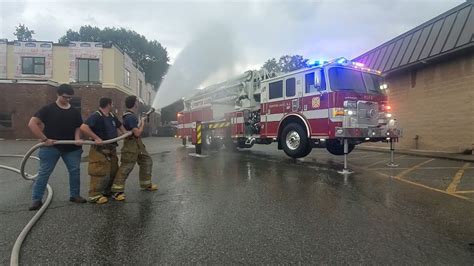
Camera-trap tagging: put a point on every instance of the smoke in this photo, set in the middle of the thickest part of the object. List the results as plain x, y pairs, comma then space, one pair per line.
211, 51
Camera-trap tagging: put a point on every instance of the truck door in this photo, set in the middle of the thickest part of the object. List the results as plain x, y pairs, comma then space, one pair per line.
292, 96
315, 102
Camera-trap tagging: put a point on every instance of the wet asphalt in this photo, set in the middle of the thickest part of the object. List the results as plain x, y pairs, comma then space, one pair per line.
254, 206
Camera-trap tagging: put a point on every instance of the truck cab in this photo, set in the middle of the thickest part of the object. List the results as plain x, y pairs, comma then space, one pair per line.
325, 104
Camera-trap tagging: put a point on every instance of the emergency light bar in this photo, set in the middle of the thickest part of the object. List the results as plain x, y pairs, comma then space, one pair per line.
345, 62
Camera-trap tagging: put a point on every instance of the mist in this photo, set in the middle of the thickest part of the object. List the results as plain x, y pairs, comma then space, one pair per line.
211, 51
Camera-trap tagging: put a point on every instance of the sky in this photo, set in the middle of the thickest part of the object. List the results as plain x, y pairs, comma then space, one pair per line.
260, 29
210, 41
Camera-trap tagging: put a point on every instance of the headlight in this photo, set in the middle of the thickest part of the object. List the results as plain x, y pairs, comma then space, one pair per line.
388, 115
350, 112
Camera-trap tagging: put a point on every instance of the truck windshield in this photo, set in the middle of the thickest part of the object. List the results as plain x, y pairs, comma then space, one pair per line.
354, 80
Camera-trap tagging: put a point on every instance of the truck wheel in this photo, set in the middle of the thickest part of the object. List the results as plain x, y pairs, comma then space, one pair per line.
184, 141
335, 147
294, 141
308, 151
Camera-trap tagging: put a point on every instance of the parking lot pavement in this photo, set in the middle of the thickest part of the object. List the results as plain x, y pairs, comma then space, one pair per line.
453, 177
254, 206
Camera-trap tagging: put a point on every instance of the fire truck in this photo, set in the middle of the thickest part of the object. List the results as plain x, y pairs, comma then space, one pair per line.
334, 105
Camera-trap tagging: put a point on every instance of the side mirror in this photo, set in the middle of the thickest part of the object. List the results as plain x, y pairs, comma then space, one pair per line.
317, 84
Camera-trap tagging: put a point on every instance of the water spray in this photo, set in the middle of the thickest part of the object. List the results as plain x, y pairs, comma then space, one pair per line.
210, 51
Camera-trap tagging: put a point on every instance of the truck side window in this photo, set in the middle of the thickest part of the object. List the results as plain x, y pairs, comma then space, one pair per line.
275, 89
290, 87
315, 81
309, 82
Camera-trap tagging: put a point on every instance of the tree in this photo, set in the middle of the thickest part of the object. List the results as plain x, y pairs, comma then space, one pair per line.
286, 63
272, 66
149, 55
290, 63
23, 34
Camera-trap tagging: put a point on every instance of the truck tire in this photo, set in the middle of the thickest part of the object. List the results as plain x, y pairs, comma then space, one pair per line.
336, 148
294, 141
308, 150
184, 141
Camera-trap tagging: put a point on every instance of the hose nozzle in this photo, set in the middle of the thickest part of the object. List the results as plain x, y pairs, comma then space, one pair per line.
150, 111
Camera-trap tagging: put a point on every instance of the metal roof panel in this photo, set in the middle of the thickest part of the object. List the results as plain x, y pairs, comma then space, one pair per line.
468, 31
443, 34
421, 43
394, 53
456, 30
451, 31
402, 51
386, 56
431, 39
372, 59
379, 58
411, 47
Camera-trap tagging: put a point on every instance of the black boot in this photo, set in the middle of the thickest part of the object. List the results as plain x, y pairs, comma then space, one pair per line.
36, 205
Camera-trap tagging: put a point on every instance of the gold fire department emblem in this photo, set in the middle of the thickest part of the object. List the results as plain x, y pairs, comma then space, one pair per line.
316, 102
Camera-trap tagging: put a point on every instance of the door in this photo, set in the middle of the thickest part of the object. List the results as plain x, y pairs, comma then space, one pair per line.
292, 96
315, 102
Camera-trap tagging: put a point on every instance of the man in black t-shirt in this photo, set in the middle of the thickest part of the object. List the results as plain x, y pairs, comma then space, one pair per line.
61, 122
103, 161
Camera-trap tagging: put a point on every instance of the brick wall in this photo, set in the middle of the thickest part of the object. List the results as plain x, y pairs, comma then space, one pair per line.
23, 100
436, 103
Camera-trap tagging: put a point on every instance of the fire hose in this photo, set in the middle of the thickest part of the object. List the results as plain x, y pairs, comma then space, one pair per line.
15, 254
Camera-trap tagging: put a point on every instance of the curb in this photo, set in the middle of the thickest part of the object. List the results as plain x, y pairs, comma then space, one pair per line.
454, 156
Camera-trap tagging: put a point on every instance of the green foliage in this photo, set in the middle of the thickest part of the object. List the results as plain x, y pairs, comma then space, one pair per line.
149, 55
23, 34
271, 65
286, 63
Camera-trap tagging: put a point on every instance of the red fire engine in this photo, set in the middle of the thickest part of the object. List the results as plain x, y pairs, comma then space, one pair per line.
334, 105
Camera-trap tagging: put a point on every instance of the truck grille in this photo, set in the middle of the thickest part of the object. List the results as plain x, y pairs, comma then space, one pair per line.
367, 113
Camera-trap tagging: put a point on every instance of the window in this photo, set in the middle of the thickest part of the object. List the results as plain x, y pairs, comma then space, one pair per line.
5, 120
353, 80
76, 103
276, 89
127, 77
372, 83
140, 86
88, 70
314, 81
290, 87
32, 65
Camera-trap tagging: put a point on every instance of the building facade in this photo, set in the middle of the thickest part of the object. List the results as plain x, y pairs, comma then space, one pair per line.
31, 71
430, 74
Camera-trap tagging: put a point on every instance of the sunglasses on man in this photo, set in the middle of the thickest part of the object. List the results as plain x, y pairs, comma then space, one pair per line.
66, 97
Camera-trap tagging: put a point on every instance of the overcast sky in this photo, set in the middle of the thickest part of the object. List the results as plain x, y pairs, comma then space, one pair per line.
259, 29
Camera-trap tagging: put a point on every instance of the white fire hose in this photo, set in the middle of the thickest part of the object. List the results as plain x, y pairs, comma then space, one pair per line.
15, 254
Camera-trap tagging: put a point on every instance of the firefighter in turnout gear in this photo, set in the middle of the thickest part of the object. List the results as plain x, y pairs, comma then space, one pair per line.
133, 151
103, 162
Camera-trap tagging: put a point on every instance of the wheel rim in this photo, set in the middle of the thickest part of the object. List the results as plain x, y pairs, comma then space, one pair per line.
293, 140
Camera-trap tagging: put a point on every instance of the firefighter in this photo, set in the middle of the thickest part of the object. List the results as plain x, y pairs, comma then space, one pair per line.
133, 151
103, 161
